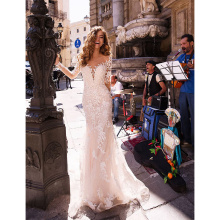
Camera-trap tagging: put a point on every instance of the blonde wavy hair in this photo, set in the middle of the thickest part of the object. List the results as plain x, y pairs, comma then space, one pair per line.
89, 46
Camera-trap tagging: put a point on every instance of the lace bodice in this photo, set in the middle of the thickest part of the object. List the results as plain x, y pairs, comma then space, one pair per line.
96, 96
97, 75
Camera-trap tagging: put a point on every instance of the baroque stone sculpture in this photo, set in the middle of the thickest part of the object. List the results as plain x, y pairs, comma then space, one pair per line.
121, 32
137, 50
148, 6
42, 49
125, 34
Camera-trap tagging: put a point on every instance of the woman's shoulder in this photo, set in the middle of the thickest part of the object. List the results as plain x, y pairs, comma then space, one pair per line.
108, 58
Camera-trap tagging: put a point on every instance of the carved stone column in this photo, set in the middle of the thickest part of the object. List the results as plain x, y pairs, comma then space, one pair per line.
118, 13
46, 148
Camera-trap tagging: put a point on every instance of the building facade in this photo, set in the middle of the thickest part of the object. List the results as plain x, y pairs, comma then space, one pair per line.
78, 34
114, 15
142, 29
59, 11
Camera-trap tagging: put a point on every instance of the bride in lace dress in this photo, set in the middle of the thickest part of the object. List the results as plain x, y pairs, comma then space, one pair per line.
105, 179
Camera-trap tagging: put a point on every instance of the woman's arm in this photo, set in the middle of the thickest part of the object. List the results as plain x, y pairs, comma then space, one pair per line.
108, 73
65, 70
163, 90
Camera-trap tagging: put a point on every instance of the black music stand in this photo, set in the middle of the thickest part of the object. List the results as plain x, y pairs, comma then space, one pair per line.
172, 70
126, 122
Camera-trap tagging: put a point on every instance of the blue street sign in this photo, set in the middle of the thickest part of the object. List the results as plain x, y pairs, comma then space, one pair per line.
77, 43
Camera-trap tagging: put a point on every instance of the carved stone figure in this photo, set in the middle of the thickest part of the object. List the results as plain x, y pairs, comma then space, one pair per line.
121, 32
34, 34
51, 47
41, 49
148, 5
153, 30
124, 35
141, 32
32, 159
49, 24
39, 7
52, 152
33, 42
137, 50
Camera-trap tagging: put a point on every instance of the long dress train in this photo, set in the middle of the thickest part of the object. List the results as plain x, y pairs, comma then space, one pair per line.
106, 180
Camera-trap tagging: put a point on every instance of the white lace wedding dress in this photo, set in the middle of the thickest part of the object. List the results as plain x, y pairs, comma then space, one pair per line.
106, 180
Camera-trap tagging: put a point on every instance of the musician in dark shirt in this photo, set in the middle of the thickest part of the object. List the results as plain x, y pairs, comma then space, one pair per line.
154, 85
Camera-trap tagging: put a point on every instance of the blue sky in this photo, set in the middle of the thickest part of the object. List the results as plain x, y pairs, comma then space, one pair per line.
78, 9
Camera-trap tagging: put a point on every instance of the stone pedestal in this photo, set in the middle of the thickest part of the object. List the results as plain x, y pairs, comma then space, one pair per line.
46, 162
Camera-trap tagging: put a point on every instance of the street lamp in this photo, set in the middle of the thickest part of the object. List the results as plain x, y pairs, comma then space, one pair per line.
86, 19
60, 30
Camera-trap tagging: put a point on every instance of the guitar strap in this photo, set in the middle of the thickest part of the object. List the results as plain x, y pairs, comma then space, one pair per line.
191, 55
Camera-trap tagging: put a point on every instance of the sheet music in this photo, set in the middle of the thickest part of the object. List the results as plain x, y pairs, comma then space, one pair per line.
172, 69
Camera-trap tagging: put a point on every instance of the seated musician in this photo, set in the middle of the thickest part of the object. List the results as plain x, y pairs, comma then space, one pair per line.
154, 85
116, 98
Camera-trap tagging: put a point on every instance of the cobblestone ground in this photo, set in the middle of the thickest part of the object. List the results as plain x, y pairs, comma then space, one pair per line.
164, 203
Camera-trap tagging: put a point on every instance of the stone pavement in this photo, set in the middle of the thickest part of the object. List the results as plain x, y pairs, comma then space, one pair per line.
164, 203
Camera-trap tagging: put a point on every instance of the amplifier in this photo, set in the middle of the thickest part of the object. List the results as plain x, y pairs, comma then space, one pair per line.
159, 102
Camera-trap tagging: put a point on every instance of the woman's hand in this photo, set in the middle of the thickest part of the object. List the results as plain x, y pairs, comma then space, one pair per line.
57, 60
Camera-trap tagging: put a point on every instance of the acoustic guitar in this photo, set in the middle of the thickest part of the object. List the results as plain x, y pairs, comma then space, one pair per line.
179, 83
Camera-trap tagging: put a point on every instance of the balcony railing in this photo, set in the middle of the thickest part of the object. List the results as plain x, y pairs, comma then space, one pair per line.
106, 9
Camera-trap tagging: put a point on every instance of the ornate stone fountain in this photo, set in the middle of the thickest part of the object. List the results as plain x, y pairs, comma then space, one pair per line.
138, 41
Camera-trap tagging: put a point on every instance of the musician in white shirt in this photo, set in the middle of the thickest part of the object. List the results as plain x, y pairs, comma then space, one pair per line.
116, 98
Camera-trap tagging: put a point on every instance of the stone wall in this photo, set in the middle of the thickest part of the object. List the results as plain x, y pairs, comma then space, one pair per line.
93, 13
182, 20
